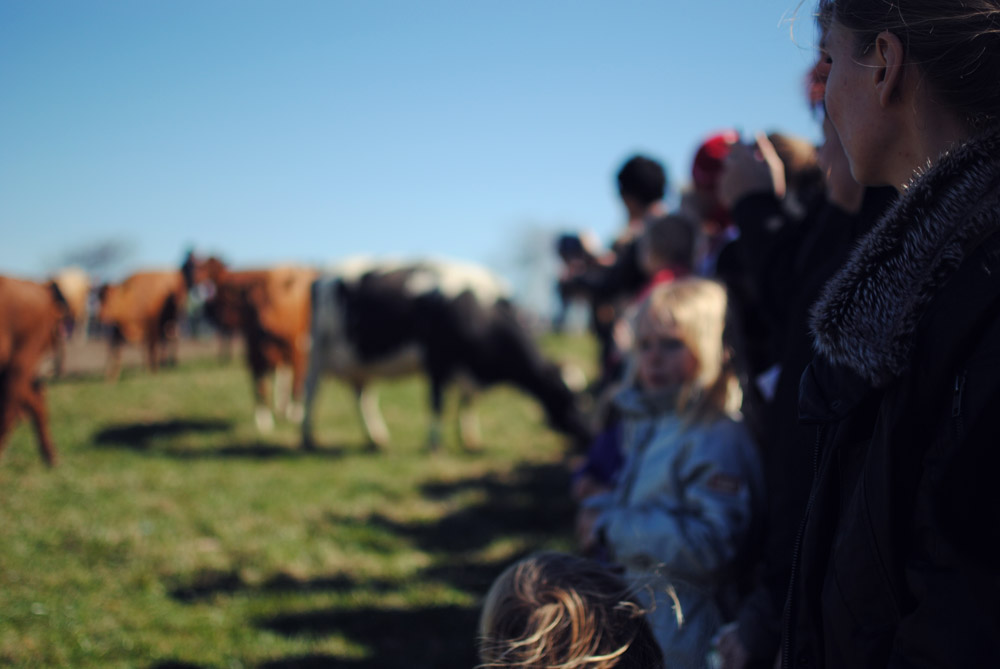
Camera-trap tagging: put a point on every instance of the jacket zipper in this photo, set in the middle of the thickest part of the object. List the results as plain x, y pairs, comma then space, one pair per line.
786, 660
956, 404
956, 400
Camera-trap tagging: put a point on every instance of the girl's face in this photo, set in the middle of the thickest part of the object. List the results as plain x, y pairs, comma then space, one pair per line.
664, 361
852, 106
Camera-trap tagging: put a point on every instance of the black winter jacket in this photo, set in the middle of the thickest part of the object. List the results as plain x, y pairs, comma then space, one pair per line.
897, 564
791, 266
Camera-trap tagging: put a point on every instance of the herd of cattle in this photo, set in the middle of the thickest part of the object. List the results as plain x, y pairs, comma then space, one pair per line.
359, 321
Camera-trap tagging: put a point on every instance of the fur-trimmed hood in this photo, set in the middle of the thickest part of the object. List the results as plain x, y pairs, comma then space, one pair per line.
867, 315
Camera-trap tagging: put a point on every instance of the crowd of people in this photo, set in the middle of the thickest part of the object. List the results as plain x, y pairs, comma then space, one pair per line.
796, 411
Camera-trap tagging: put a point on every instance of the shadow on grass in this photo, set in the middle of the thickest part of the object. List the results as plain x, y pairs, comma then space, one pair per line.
308, 662
139, 437
258, 451
431, 637
533, 504
529, 506
174, 664
209, 584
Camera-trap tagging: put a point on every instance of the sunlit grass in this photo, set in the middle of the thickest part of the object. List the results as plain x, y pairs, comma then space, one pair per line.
172, 534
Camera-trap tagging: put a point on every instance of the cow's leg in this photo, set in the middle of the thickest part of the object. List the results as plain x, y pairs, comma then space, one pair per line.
468, 421
172, 343
33, 400
437, 406
371, 417
59, 352
113, 368
311, 385
19, 393
10, 405
282, 389
262, 414
260, 369
152, 351
294, 411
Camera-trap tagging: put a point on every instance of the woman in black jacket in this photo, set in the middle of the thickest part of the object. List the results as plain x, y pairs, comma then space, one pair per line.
896, 564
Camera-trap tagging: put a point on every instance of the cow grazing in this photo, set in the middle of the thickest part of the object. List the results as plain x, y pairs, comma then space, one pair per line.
144, 308
270, 308
450, 321
29, 319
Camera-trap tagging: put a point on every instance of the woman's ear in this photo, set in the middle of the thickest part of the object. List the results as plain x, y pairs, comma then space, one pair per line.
888, 69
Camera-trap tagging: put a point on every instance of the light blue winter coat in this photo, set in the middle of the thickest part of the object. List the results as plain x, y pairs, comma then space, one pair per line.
679, 519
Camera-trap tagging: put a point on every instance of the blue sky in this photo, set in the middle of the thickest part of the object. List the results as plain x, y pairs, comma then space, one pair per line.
313, 130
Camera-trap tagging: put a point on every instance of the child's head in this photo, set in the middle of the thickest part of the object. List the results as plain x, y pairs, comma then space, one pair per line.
679, 345
561, 610
667, 242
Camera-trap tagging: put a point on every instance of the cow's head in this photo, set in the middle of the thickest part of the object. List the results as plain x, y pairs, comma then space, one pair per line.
562, 406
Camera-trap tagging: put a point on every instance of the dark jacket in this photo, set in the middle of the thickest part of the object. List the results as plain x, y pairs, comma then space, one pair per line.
793, 262
896, 565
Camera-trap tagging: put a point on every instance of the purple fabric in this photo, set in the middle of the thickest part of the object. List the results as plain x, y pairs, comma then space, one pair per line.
604, 459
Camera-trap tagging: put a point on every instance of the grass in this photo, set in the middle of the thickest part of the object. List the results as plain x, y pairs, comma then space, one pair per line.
172, 535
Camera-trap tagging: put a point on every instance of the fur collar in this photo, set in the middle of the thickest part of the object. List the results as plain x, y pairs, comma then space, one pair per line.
867, 315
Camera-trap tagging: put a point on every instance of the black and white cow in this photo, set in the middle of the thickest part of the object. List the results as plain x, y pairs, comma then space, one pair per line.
450, 321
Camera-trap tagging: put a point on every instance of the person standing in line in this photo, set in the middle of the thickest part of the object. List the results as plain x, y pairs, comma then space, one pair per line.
896, 563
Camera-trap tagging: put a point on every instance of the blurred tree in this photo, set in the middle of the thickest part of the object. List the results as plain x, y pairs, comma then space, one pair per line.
98, 259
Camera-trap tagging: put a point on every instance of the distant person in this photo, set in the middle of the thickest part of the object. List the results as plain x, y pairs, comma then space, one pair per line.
561, 610
617, 276
666, 250
897, 564
702, 202
682, 511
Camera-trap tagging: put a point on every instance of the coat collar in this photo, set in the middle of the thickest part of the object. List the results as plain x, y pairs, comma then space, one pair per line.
867, 315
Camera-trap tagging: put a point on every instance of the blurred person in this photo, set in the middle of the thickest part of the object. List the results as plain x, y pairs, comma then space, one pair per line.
791, 262
702, 202
681, 514
897, 563
666, 253
559, 610
785, 168
616, 276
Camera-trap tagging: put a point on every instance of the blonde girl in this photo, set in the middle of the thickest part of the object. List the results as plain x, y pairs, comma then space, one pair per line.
681, 514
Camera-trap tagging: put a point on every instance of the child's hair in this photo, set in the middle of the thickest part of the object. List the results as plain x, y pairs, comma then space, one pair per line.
697, 307
560, 610
671, 238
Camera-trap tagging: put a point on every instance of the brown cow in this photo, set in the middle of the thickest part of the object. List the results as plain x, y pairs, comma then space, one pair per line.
144, 308
270, 308
29, 319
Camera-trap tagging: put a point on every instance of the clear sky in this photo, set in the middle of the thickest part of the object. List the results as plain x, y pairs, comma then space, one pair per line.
310, 130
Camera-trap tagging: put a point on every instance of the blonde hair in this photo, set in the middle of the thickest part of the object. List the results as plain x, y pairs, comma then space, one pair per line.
697, 308
566, 612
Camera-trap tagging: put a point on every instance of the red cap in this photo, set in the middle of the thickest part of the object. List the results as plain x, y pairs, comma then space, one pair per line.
708, 159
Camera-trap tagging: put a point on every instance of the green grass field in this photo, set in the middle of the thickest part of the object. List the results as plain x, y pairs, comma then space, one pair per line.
173, 535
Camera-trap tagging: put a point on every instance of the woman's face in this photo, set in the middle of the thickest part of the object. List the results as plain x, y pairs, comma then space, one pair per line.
664, 361
852, 106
